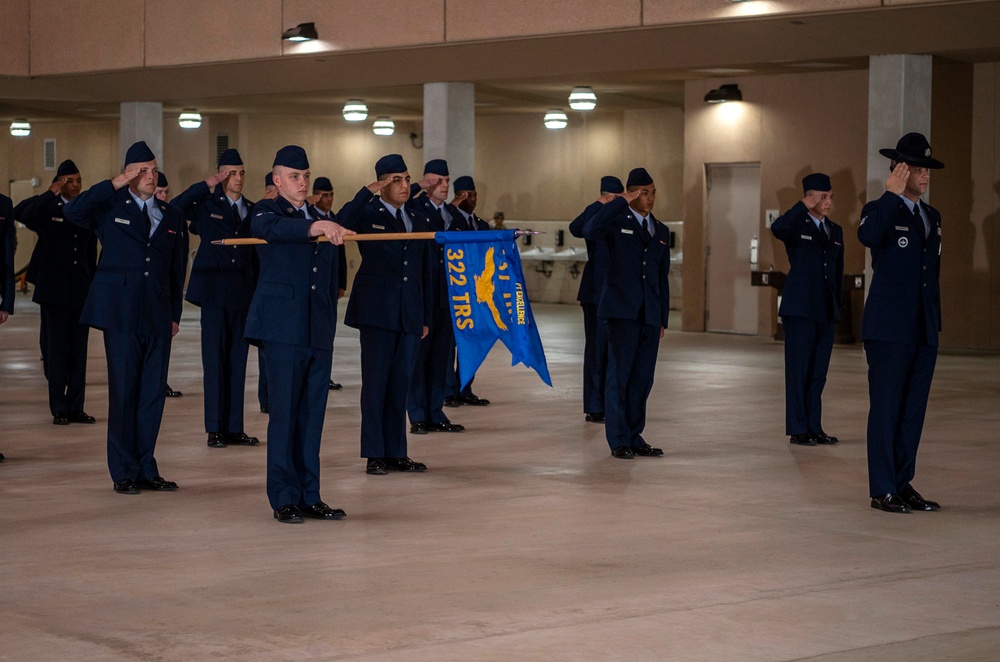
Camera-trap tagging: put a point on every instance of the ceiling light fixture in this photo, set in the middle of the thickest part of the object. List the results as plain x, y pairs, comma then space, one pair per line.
355, 110
582, 98
724, 93
20, 128
189, 119
556, 119
301, 32
383, 126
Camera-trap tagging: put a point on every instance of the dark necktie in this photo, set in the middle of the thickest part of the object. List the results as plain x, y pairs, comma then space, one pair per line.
824, 232
236, 214
148, 223
645, 231
399, 219
920, 219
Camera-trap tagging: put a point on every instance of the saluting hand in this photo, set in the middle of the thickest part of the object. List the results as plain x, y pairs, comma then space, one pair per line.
631, 195
334, 232
127, 176
459, 197
216, 179
812, 199
57, 185
375, 187
897, 179
270, 195
429, 181
314, 198
607, 197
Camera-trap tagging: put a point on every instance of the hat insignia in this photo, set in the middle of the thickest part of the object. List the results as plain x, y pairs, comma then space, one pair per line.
927, 152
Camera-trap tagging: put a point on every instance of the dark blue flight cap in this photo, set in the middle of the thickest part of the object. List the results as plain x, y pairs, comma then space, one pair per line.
291, 156
269, 179
638, 177
388, 164
139, 153
464, 183
161, 180
611, 184
436, 167
322, 184
67, 167
816, 182
230, 157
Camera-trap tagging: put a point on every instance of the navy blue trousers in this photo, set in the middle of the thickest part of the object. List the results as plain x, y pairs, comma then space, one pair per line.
65, 354
262, 378
425, 399
387, 359
298, 379
137, 371
899, 382
808, 346
632, 349
224, 364
595, 359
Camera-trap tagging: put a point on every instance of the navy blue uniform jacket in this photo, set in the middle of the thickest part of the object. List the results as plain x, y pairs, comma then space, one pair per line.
6, 254
393, 288
816, 276
632, 262
65, 257
139, 283
904, 300
221, 276
596, 270
296, 297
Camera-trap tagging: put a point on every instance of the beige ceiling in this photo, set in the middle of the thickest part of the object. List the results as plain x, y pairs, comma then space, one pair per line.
628, 68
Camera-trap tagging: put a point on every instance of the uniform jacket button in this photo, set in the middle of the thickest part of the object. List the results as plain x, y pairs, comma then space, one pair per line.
405, 278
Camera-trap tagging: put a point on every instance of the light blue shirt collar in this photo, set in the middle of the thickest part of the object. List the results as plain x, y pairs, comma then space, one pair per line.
152, 208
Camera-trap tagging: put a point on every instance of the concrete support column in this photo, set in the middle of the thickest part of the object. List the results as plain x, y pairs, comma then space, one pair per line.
899, 101
141, 120
450, 126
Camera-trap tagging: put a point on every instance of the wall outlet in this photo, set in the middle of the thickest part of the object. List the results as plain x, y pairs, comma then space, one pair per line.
770, 216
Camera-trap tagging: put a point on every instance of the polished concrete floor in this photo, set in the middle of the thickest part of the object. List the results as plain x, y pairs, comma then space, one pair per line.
525, 540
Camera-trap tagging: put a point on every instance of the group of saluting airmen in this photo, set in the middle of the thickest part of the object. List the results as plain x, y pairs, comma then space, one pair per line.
282, 297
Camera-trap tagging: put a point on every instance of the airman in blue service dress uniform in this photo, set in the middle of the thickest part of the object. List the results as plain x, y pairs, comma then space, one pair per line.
321, 207
391, 306
635, 305
162, 194
293, 316
65, 259
901, 322
810, 306
425, 400
465, 201
222, 283
6, 261
595, 347
136, 299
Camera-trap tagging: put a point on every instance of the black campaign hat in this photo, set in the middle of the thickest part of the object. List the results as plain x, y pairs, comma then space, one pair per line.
639, 177
161, 180
291, 156
816, 182
388, 164
464, 183
913, 149
230, 157
611, 184
139, 153
322, 184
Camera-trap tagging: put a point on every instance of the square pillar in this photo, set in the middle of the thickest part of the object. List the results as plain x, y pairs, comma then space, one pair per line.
450, 126
141, 120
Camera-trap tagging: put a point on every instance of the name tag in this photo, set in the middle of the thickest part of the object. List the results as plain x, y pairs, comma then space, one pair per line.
123, 221
57, 219
218, 216
627, 231
378, 227
806, 237
902, 228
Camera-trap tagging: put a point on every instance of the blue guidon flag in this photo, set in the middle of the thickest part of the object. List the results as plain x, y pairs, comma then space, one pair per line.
489, 301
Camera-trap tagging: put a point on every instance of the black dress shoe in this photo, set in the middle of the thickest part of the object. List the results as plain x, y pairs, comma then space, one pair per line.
474, 400
913, 499
216, 440
802, 439
890, 503
264, 409
334, 386
452, 401
81, 417
320, 510
419, 428
126, 486
60, 419
288, 515
404, 464
825, 439
157, 483
2, 458
623, 453
241, 439
647, 451
445, 427
376, 467
171, 393
595, 417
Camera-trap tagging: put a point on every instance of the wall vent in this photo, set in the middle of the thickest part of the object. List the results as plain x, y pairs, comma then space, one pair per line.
49, 153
